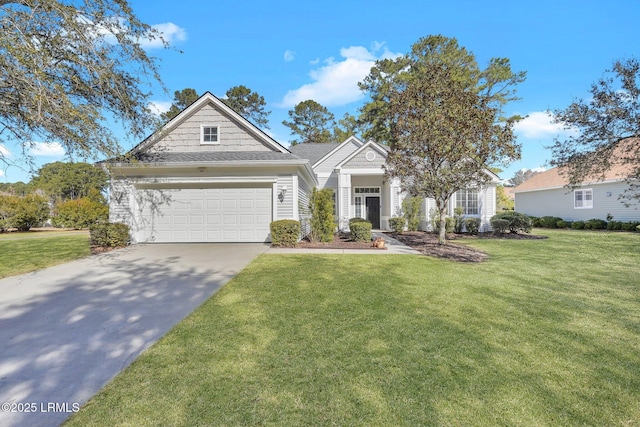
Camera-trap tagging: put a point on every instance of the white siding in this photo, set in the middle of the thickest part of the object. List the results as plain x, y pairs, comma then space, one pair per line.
284, 208
186, 136
329, 164
559, 202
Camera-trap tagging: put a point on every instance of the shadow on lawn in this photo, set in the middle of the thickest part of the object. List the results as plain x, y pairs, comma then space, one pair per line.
78, 330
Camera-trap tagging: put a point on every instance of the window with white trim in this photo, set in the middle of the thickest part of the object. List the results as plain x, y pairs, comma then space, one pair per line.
209, 134
583, 199
467, 199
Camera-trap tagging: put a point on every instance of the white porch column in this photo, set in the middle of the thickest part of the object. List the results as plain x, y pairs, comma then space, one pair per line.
344, 199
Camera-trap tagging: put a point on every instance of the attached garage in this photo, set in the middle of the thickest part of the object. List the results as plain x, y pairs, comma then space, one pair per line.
214, 214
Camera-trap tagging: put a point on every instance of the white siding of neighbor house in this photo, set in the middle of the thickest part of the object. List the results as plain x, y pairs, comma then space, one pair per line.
560, 201
185, 137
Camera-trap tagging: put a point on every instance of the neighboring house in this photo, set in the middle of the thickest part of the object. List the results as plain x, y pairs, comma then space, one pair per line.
209, 175
547, 194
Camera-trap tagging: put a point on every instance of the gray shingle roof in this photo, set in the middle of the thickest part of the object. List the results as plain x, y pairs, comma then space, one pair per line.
213, 156
312, 152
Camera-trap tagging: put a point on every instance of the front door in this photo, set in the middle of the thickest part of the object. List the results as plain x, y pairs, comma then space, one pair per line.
373, 211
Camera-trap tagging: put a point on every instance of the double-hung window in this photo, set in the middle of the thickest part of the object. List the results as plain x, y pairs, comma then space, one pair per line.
467, 199
583, 199
209, 134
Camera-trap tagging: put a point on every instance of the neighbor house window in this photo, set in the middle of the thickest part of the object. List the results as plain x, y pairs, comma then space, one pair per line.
467, 199
583, 199
209, 134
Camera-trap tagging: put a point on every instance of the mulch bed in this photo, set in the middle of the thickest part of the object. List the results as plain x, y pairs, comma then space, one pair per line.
427, 243
340, 241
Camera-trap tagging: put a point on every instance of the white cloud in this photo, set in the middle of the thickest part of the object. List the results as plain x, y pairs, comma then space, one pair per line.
159, 107
169, 31
336, 82
315, 61
46, 149
4, 151
539, 124
289, 55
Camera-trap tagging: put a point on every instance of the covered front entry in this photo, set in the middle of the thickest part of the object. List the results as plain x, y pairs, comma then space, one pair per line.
216, 214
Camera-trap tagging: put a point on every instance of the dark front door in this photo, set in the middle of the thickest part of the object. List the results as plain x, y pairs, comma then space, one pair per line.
373, 211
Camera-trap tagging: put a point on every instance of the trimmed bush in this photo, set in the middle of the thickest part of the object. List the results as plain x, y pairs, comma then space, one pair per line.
80, 213
397, 224
595, 224
614, 225
638, 228
629, 226
109, 234
516, 221
27, 212
577, 225
549, 221
411, 212
321, 208
356, 219
285, 233
563, 224
360, 231
472, 225
500, 226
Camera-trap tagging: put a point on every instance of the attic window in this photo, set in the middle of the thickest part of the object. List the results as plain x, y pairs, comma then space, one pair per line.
209, 134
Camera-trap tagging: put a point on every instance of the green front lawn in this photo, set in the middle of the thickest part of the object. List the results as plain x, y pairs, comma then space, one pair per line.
546, 332
25, 252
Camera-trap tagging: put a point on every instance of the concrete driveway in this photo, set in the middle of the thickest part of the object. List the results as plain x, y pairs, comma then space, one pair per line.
66, 331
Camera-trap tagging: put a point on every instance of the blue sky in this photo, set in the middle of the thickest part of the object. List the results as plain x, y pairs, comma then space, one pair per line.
291, 51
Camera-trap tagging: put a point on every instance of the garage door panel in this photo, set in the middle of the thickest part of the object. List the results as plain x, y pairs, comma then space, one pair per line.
204, 214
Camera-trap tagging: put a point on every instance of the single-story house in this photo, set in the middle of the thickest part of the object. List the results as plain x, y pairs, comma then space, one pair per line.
209, 175
547, 194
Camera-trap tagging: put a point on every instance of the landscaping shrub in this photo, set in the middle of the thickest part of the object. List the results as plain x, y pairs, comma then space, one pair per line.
638, 228
516, 221
356, 219
109, 234
577, 225
548, 221
458, 219
500, 226
535, 221
79, 213
27, 212
360, 231
411, 212
614, 225
285, 233
630, 226
472, 225
563, 224
397, 224
595, 224
321, 209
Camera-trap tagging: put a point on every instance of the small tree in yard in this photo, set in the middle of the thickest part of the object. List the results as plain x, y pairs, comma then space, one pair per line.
80, 213
29, 211
321, 209
442, 118
411, 212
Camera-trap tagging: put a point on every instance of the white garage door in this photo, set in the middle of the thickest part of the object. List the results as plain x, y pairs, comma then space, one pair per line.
204, 214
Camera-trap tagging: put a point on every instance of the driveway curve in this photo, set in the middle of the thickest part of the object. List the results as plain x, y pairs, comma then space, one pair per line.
67, 330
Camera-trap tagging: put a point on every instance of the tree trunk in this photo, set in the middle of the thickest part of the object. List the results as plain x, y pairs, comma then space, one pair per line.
442, 234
